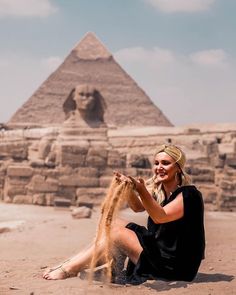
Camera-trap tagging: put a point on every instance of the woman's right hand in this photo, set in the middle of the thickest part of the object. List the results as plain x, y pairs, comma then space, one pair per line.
121, 177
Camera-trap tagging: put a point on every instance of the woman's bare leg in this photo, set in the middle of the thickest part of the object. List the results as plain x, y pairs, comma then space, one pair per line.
75, 264
122, 238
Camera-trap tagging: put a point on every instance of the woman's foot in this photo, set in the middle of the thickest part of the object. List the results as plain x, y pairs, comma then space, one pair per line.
58, 273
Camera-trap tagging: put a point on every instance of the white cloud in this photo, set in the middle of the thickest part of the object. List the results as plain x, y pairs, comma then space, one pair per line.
213, 57
172, 6
26, 8
188, 88
156, 55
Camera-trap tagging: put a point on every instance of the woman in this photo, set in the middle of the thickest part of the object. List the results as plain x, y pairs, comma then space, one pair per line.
172, 246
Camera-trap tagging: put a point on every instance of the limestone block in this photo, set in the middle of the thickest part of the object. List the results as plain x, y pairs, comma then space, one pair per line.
115, 159
33, 151
81, 212
90, 195
39, 199
23, 199
144, 173
97, 157
78, 181
44, 148
138, 161
209, 193
37, 163
13, 190
62, 202
7, 199
2, 180
87, 172
72, 155
227, 185
55, 173
206, 178
105, 181
19, 170
219, 161
40, 184
15, 150
227, 202
49, 199
231, 160
226, 147
68, 192
201, 174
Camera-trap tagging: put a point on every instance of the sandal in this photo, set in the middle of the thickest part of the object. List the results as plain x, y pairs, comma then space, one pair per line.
61, 273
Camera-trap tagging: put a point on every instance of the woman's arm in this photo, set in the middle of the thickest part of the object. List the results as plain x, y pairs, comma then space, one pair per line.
172, 211
135, 203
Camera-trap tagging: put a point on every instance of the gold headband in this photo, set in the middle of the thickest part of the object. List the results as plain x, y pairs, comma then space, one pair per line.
174, 152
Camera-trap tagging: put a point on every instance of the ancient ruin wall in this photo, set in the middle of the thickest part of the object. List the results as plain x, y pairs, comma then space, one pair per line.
37, 166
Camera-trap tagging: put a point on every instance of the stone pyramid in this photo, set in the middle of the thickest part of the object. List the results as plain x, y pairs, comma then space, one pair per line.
90, 62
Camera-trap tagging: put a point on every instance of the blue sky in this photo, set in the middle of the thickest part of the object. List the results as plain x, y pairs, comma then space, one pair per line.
181, 52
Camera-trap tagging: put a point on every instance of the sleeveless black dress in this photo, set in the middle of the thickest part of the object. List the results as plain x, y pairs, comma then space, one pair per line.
173, 250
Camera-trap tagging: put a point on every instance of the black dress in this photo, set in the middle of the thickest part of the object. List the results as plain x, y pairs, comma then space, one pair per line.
173, 250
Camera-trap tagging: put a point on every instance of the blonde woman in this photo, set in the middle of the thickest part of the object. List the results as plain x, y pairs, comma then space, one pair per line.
173, 243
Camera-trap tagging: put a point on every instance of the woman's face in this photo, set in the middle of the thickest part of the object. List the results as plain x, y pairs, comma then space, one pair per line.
165, 168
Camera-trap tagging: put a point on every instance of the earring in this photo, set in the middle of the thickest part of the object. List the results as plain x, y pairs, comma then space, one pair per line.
178, 178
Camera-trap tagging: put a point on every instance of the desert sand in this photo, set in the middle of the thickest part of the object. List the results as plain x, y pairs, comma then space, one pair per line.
34, 237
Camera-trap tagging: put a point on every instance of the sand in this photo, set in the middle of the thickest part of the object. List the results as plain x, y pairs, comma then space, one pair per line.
38, 237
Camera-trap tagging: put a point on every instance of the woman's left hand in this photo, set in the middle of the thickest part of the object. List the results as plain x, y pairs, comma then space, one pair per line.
139, 185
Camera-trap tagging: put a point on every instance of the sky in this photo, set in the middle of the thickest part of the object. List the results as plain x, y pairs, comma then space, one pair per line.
182, 53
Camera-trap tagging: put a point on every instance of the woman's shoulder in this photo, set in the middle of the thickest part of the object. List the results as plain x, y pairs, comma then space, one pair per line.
190, 188
190, 193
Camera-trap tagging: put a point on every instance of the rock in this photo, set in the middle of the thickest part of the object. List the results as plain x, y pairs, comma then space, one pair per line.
81, 212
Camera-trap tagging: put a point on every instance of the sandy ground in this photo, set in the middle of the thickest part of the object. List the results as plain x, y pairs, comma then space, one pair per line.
44, 236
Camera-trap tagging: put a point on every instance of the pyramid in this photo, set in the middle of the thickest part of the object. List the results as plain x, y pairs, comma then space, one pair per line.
90, 62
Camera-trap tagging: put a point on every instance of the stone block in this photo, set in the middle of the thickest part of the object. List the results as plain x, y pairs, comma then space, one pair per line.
87, 172
62, 202
115, 159
105, 181
73, 155
23, 199
209, 193
49, 199
44, 148
19, 170
78, 181
11, 190
227, 185
37, 163
231, 160
97, 157
138, 161
15, 150
41, 184
39, 199
90, 195
68, 192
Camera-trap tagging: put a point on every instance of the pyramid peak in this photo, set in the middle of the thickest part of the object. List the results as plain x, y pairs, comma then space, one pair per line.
91, 48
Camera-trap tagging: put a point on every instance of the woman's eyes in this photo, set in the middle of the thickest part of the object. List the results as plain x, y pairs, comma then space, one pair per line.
163, 163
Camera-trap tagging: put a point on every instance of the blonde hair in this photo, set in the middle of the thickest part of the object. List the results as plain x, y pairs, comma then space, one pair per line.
155, 188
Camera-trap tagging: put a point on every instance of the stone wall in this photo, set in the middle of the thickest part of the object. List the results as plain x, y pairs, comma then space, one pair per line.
40, 165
